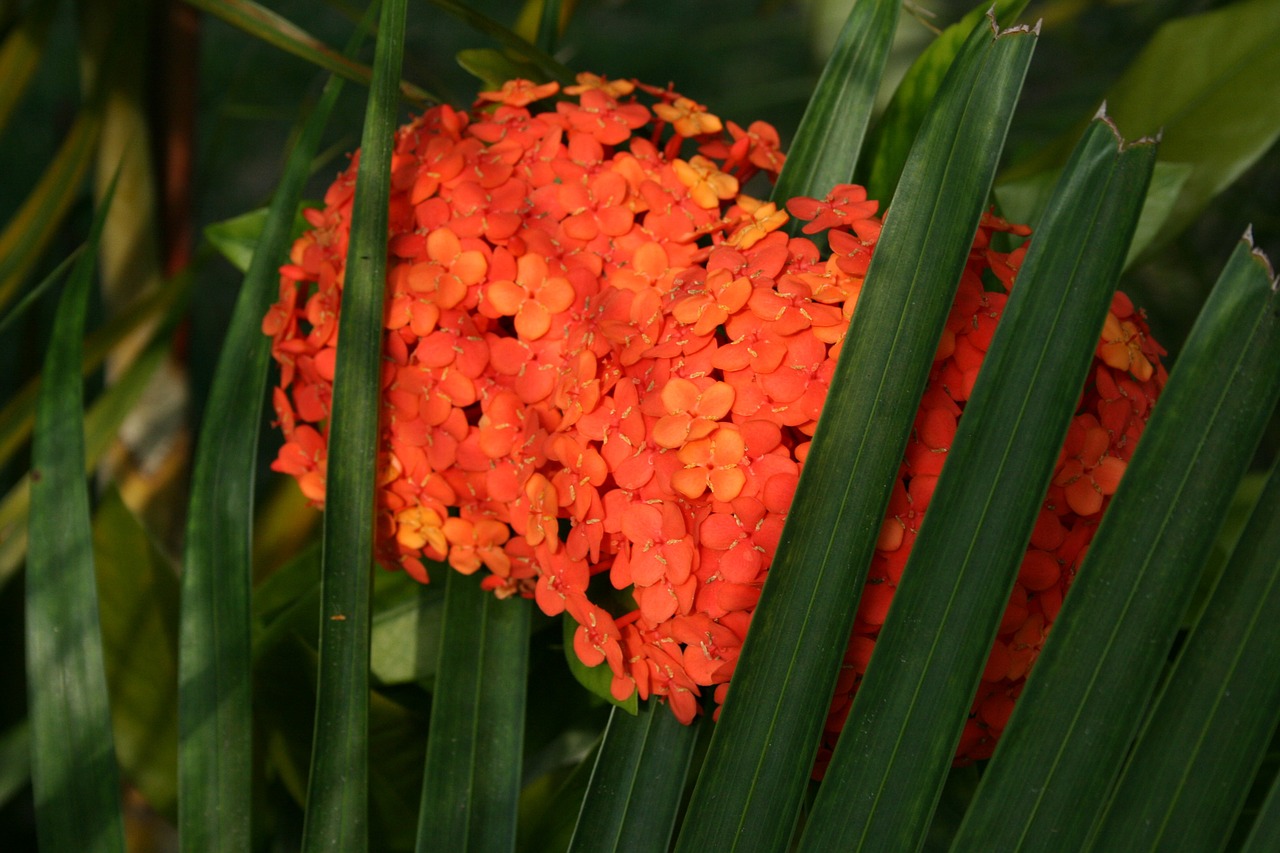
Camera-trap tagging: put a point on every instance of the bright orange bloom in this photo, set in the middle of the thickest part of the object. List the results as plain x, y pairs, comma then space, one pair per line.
601, 358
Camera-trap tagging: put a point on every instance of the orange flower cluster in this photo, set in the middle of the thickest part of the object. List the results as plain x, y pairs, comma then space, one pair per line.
603, 365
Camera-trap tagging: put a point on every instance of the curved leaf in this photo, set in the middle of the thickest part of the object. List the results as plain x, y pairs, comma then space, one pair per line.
73, 763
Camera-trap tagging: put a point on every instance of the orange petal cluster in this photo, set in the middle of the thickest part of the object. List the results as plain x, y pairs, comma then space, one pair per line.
603, 363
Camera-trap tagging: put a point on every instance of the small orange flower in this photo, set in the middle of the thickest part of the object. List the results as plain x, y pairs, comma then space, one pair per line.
600, 357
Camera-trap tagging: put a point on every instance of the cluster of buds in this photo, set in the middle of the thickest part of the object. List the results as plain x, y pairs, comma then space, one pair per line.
603, 366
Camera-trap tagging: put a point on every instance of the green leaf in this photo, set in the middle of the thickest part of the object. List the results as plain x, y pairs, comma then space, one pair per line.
637, 783
826, 144
138, 599
20, 54
100, 427
405, 646
18, 415
493, 67
548, 26
32, 228
1024, 200
238, 237
891, 140
337, 794
1210, 83
1084, 699
1266, 826
278, 31
216, 674
73, 764
547, 65
471, 786
597, 679
1187, 778
914, 699
15, 760
762, 751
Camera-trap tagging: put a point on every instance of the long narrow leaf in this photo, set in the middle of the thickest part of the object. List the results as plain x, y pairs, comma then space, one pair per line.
637, 783
913, 701
1083, 702
337, 794
73, 759
1266, 826
545, 63
762, 751
471, 786
830, 134
100, 427
216, 719
33, 226
280, 32
20, 54
1190, 772
891, 140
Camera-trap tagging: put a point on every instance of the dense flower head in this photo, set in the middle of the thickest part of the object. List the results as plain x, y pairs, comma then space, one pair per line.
604, 363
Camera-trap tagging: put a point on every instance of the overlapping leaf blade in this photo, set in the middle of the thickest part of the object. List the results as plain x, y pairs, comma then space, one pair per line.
471, 786
636, 784
913, 701
830, 134
337, 794
1186, 781
74, 770
761, 753
215, 715
1083, 701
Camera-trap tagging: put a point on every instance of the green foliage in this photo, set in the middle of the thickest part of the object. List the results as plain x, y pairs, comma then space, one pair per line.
307, 702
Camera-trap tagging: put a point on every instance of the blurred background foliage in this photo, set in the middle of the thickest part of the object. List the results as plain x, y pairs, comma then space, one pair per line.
202, 114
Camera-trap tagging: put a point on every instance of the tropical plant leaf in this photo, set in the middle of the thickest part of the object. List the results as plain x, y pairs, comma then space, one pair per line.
18, 415
471, 785
407, 615
1187, 778
29, 232
827, 142
761, 754
138, 599
20, 54
891, 139
275, 30
1266, 826
15, 760
914, 698
1210, 83
216, 672
549, 66
100, 426
1084, 699
636, 784
73, 763
337, 793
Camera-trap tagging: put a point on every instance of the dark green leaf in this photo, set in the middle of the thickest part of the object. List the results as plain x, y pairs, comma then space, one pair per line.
1198, 753
471, 787
73, 763
547, 65
829, 137
914, 699
15, 760
216, 649
637, 783
138, 596
337, 794
1266, 826
891, 140
762, 751
1083, 702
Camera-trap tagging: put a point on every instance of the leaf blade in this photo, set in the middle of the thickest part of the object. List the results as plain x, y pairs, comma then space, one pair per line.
749, 789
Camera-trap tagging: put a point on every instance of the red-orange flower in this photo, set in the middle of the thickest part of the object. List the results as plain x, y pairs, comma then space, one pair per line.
601, 357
